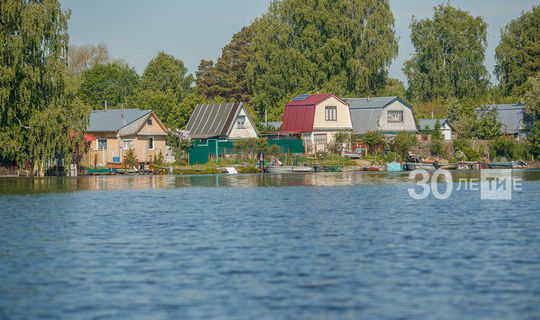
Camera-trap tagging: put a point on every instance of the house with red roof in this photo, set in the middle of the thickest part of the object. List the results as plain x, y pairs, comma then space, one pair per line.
316, 118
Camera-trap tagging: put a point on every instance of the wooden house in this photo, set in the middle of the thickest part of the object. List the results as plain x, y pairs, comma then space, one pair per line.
221, 121
119, 130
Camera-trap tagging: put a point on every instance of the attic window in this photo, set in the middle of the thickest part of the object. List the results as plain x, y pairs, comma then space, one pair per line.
331, 113
395, 115
149, 121
241, 122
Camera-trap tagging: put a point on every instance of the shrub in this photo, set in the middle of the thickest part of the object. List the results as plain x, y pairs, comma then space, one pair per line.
510, 149
436, 147
403, 141
130, 157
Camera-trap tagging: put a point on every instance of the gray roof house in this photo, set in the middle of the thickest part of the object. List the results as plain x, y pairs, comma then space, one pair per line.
223, 120
388, 115
124, 121
515, 121
444, 125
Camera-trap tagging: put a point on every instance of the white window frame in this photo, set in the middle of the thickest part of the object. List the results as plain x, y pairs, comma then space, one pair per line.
241, 122
395, 116
318, 138
102, 144
130, 141
330, 113
153, 142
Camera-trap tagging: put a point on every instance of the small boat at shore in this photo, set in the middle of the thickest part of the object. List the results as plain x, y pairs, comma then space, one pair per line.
507, 165
449, 166
288, 169
419, 166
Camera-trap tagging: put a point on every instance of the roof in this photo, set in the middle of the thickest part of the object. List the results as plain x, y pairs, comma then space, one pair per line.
213, 120
510, 115
430, 123
113, 120
370, 103
308, 100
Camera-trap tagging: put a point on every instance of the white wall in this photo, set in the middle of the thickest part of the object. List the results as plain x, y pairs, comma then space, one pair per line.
408, 123
246, 133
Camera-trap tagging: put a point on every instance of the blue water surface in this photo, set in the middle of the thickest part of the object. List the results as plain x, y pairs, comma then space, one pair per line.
262, 247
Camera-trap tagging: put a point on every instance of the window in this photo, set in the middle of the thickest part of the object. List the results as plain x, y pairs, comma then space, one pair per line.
149, 121
128, 144
331, 113
241, 122
102, 144
150, 143
306, 136
320, 138
395, 116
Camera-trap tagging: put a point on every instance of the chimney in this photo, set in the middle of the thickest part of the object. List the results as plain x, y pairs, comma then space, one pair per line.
432, 113
368, 98
105, 105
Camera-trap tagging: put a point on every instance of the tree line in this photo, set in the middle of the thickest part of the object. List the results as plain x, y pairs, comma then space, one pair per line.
298, 46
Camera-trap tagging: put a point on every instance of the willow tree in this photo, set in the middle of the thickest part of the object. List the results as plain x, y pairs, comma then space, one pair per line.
38, 111
339, 46
449, 56
518, 53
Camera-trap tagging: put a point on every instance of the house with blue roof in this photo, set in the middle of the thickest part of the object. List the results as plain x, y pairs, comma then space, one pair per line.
516, 122
388, 115
114, 132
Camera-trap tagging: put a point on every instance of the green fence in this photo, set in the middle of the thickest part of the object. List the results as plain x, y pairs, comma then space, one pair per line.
201, 152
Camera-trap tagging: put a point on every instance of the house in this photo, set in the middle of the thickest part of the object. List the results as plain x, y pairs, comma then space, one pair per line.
388, 115
316, 118
119, 130
444, 125
515, 121
224, 121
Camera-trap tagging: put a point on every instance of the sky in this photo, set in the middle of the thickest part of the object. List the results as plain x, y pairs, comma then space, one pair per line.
136, 30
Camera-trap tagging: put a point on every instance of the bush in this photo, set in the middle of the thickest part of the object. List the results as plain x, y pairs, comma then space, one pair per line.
159, 159
403, 141
436, 147
130, 157
510, 149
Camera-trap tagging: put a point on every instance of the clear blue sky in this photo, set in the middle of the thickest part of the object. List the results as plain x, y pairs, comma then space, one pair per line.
136, 30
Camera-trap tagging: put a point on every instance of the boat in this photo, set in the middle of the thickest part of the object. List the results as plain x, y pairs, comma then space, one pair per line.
288, 169
449, 166
394, 166
419, 165
507, 165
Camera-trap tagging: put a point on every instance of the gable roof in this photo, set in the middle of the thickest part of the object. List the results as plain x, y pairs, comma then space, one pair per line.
113, 120
213, 120
371, 103
309, 100
430, 123
510, 115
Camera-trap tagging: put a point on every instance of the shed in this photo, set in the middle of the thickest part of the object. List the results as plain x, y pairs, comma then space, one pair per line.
223, 120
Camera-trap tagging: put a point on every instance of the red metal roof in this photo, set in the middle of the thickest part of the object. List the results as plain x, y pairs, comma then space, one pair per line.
298, 119
311, 100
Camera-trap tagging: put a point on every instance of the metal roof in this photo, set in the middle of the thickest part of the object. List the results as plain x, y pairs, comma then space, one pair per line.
308, 100
212, 120
365, 119
113, 120
369, 103
510, 115
298, 119
430, 123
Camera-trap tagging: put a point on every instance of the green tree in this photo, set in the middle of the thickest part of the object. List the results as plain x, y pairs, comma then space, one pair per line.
518, 53
38, 110
111, 82
373, 139
486, 125
436, 134
403, 142
302, 46
82, 58
532, 98
164, 104
534, 139
227, 78
166, 73
449, 56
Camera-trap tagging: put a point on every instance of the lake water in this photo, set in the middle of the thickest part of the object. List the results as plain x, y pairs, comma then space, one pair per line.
314, 246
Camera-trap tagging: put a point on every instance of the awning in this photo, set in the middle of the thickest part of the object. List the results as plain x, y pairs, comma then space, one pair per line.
88, 137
